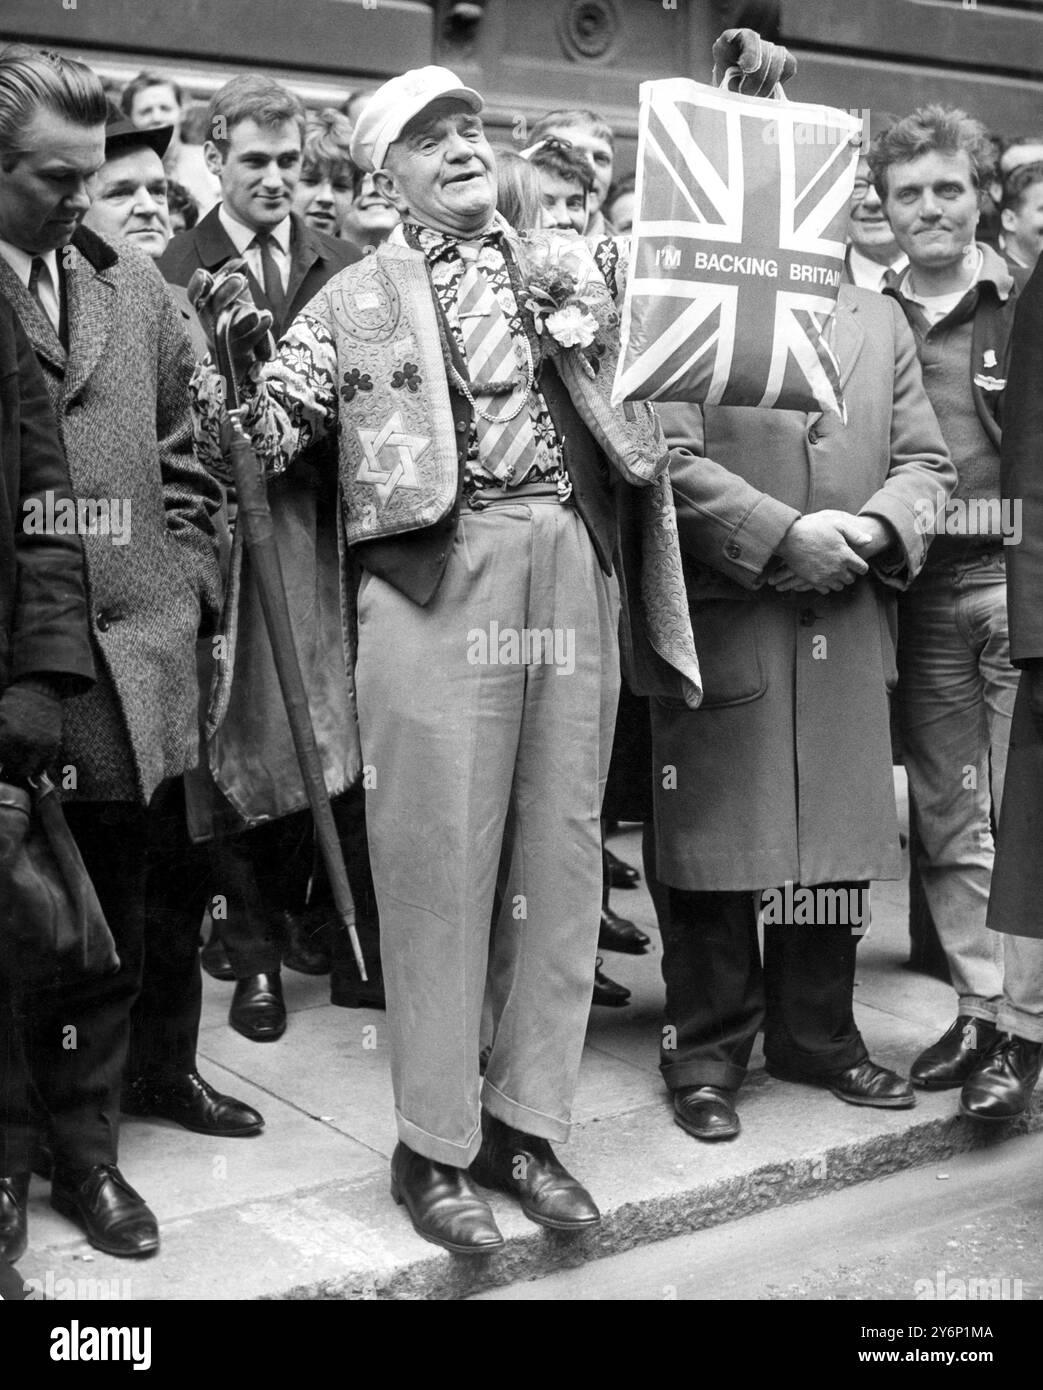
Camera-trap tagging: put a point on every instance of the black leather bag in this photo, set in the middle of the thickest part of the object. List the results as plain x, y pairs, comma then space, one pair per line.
52, 928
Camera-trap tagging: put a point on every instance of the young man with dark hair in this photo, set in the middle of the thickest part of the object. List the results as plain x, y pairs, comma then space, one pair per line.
256, 148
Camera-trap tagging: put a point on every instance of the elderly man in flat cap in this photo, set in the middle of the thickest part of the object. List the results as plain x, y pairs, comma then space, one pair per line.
495, 508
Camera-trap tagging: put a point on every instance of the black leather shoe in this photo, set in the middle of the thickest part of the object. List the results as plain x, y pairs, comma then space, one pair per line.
308, 948
258, 1010
525, 1166
863, 1084
214, 959
1002, 1085
105, 1206
14, 1227
607, 992
706, 1112
191, 1102
956, 1054
442, 1204
620, 875
619, 934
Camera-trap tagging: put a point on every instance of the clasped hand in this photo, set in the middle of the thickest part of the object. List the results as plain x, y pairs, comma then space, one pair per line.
228, 314
825, 551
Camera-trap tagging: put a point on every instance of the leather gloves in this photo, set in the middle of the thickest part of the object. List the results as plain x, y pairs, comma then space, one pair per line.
764, 64
30, 727
223, 302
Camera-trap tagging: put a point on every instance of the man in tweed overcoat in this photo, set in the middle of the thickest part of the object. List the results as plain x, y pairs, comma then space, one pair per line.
116, 361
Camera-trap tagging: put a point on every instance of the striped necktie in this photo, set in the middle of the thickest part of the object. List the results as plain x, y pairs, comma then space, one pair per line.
506, 438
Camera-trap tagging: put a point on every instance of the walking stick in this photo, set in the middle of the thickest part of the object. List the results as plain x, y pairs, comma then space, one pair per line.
255, 518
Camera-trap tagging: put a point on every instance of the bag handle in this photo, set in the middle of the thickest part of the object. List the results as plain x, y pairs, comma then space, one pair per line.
735, 74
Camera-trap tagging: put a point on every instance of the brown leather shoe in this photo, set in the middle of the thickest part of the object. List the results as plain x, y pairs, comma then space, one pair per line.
14, 1229
258, 1010
706, 1112
525, 1166
958, 1052
102, 1202
1001, 1087
863, 1084
442, 1204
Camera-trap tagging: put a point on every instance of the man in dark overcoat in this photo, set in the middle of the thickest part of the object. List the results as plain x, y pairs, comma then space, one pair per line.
797, 531
116, 361
45, 656
1002, 1085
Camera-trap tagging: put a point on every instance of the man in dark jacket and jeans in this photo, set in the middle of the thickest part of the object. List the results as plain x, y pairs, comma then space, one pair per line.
956, 686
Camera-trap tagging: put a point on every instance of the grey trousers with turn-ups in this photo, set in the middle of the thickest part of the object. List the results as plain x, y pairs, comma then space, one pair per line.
486, 720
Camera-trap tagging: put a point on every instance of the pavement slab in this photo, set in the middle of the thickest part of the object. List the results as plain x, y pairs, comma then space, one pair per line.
303, 1210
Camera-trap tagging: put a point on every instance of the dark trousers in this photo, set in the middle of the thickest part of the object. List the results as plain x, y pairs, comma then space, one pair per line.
719, 995
256, 874
260, 871
63, 1050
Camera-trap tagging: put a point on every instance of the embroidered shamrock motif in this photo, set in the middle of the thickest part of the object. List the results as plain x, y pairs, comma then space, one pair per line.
355, 381
409, 376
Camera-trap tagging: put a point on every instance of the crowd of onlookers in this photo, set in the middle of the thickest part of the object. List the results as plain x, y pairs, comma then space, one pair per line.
263, 181
578, 183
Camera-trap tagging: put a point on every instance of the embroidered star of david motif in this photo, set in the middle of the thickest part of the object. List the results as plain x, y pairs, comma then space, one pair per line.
391, 457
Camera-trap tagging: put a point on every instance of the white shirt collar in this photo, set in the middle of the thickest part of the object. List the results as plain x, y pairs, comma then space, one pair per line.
868, 274
242, 236
21, 262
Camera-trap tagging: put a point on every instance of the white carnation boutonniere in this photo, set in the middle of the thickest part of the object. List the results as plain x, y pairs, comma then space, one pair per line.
572, 326
567, 313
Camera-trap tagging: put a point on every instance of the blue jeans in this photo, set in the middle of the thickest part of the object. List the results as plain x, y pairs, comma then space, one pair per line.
955, 698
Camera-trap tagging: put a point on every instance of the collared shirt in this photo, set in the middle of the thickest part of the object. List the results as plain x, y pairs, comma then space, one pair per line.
48, 291
447, 267
871, 275
936, 306
244, 239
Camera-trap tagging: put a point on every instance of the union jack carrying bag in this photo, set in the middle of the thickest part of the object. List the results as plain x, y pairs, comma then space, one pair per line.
737, 250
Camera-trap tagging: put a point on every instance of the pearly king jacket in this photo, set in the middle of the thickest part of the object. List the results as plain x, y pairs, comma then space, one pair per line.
367, 360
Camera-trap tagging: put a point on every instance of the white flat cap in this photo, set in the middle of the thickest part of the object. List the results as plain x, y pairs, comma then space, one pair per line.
391, 108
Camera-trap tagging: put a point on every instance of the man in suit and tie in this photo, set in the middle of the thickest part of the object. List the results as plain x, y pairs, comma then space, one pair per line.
257, 136
257, 132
